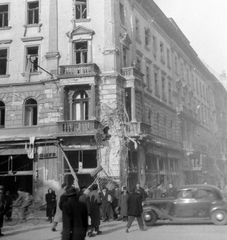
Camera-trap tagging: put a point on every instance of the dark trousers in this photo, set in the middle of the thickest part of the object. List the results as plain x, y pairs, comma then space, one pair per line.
106, 211
131, 219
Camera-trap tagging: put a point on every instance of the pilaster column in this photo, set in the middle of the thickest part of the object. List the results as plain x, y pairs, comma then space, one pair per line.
89, 60
92, 103
133, 104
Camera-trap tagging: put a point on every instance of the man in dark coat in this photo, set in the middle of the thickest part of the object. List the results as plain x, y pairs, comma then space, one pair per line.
2, 208
94, 209
106, 199
50, 198
135, 209
74, 216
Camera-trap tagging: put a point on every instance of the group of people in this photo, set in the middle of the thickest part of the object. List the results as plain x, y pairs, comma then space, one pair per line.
81, 210
23, 201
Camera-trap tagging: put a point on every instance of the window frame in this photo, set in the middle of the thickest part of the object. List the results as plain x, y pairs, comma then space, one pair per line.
81, 4
82, 51
36, 11
32, 118
32, 70
83, 108
2, 114
8, 15
6, 63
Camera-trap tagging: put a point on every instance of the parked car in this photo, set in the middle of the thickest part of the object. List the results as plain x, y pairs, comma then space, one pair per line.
191, 202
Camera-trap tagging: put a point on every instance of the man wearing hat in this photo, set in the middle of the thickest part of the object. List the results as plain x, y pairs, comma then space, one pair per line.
74, 216
2, 206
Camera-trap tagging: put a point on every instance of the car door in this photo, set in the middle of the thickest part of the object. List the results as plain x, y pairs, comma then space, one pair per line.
184, 204
204, 199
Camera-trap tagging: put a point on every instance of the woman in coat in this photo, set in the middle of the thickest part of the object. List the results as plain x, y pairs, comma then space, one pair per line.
51, 204
123, 204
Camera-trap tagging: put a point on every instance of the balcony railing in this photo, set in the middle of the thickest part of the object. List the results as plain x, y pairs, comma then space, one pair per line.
138, 128
85, 69
86, 127
132, 72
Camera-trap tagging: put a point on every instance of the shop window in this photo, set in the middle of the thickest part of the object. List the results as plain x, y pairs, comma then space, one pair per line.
81, 52
2, 114
33, 12
81, 160
80, 105
30, 112
3, 61
4, 15
81, 9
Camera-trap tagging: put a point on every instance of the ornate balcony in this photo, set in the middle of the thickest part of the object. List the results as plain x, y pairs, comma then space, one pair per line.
78, 70
132, 72
77, 128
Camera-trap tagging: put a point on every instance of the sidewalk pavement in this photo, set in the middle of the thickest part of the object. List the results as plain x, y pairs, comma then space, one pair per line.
42, 231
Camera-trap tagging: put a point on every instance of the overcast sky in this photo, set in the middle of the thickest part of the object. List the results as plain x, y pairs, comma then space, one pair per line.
204, 23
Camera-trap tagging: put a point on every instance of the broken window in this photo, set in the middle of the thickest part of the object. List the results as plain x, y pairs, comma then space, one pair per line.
81, 160
81, 52
30, 115
81, 9
33, 12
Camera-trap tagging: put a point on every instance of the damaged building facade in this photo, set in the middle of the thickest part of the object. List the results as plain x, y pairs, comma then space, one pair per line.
115, 84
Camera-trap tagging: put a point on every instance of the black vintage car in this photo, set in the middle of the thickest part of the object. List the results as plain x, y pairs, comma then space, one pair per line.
191, 202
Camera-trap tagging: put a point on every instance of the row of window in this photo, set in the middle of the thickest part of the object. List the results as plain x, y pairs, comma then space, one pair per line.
33, 9
79, 109
32, 54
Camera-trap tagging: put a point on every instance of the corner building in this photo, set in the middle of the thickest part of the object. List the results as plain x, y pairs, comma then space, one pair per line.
110, 83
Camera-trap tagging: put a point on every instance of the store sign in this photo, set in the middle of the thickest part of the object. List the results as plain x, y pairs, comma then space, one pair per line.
47, 155
197, 161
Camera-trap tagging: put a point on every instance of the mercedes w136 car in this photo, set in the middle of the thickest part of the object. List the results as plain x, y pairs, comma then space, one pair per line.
191, 202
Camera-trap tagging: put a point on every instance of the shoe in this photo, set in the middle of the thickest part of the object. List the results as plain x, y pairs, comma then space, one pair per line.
1, 234
142, 229
99, 232
53, 230
126, 230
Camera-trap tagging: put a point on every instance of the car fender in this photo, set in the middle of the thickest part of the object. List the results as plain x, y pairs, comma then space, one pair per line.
160, 213
218, 207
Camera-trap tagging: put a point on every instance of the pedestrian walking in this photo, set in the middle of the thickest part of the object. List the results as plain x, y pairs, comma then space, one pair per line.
106, 199
135, 210
94, 210
74, 216
141, 190
50, 198
123, 204
58, 214
2, 208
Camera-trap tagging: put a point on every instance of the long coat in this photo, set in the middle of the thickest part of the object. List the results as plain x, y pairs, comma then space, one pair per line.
94, 208
2, 205
51, 204
123, 203
58, 214
135, 205
75, 219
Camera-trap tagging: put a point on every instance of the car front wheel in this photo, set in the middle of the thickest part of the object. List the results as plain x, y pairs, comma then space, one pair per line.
219, 217
149, 217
